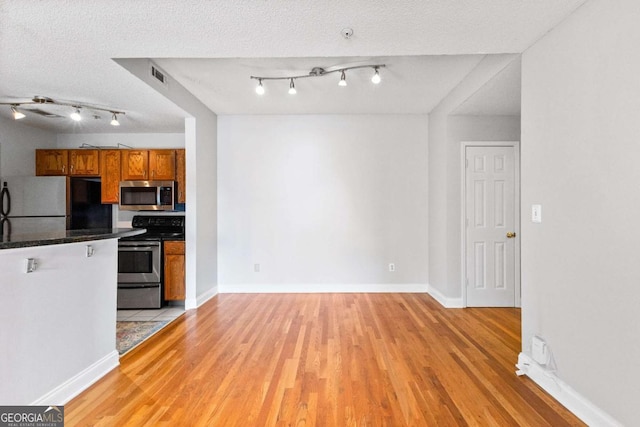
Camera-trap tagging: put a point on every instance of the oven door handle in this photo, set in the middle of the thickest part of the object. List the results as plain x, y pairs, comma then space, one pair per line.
139, 247
138, 285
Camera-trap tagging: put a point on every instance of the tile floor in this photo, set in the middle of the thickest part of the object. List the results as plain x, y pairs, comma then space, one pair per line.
165, 313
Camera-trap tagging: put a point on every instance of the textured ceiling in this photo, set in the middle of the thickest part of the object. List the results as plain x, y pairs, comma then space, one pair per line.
410, 85
63, 48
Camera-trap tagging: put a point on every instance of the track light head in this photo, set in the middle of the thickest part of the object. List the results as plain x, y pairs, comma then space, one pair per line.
260, 88
76, 115
44, 102
17, 115
343, 79
376, 77
292, 88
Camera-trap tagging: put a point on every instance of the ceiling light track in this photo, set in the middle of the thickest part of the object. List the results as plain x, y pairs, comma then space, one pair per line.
104, 147
318, 72
75, 115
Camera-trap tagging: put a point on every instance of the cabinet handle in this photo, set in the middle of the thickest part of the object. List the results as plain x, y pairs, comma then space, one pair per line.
71, 168
63, 168
144, 174
153, 174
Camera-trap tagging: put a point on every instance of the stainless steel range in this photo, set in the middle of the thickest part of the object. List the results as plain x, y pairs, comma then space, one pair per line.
140, 269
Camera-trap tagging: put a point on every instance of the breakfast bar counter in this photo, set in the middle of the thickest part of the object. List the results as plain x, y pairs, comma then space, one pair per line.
33, 237
58, 324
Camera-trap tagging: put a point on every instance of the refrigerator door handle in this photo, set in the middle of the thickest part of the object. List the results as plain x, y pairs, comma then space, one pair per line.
5, 196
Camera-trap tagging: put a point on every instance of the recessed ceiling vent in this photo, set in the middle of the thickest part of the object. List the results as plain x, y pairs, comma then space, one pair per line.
159, 75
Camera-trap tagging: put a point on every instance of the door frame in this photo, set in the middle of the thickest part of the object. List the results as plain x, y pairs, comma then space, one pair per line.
463, 210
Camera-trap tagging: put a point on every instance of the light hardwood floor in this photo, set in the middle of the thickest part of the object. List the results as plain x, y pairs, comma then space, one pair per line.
324, 360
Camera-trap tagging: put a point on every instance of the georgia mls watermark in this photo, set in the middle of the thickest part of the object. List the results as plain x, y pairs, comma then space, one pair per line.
31, 416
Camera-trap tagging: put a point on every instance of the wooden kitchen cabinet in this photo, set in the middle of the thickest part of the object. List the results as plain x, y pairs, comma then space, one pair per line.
162, 165
181, 175
135, 165
174, 271
52, 162
84, 162
110, 175
153, 165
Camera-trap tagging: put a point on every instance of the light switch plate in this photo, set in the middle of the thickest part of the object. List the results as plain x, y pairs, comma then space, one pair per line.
536, 213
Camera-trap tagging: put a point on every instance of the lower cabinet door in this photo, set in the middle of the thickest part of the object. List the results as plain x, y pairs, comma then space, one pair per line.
174, 277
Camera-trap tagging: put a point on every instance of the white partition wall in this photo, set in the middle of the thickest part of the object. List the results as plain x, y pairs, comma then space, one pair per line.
322, 203
58, 329
580, 269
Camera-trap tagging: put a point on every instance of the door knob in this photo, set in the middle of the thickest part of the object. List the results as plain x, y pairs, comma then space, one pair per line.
511, 235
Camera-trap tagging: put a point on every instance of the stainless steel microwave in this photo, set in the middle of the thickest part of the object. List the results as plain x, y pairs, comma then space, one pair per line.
147, 195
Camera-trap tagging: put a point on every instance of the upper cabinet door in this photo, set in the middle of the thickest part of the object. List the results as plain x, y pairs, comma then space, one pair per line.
135, 165
52, 162
84, 163
110, 175
181, 175
162, 165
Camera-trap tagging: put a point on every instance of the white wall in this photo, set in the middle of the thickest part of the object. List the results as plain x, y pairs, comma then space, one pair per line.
58, 329
446, 233
466, 128
202, 150
580, 138
322, 203
17, 145
445, 134
201, 138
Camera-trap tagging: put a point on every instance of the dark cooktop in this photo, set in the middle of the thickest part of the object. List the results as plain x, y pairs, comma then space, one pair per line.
159, 227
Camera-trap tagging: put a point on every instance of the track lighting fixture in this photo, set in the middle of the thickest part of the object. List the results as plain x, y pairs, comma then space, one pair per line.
42, 102
17, 115
343, 79
376, 77
317, 72
76, 115
260, 88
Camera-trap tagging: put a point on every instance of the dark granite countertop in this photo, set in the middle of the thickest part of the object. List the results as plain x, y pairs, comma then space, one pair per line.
28, 239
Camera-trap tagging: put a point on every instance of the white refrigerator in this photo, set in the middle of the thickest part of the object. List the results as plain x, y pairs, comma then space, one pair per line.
34, 204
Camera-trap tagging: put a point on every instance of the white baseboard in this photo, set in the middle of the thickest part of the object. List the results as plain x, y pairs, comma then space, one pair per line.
563, 393
80, 382
190, 303
444, 301
206, 296
193, 303
316, 288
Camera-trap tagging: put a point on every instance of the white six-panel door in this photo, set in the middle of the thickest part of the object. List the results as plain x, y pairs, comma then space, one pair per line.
490, 210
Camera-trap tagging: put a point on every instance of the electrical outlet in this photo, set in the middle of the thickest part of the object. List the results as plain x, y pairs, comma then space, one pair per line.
30, 265
540, 351
392, 267
256, 268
